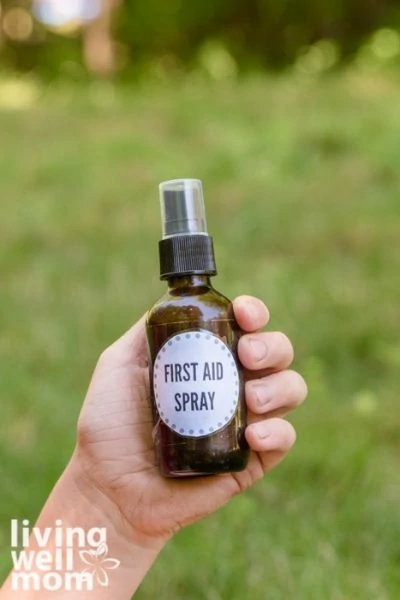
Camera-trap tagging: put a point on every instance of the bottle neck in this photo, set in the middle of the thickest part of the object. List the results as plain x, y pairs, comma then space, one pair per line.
188, 281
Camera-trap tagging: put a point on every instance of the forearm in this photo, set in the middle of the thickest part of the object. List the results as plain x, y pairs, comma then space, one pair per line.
75, 520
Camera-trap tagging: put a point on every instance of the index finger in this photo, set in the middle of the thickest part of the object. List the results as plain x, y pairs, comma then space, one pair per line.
250, 313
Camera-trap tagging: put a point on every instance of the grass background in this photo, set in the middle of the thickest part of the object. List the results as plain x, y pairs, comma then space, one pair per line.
302, 190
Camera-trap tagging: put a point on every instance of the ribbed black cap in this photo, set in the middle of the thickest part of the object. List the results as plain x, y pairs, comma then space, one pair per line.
186, 255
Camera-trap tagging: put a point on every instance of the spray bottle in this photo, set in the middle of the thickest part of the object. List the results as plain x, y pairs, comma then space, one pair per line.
196, 380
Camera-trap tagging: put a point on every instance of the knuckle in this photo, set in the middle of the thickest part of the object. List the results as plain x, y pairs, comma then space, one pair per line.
244, 350
84, 432
106, 356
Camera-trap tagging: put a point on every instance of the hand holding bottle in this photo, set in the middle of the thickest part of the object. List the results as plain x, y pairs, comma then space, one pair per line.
115, 447
112, 480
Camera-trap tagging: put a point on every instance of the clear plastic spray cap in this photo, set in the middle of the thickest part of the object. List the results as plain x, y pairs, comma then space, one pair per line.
182, 207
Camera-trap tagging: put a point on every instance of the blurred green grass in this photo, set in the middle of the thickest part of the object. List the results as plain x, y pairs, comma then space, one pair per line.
302, 189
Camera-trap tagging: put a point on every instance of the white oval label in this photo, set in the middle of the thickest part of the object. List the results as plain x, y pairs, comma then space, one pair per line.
196, 383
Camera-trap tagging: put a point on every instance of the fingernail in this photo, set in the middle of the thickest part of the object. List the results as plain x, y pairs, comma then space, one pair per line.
261, 393
258, 348
262, 430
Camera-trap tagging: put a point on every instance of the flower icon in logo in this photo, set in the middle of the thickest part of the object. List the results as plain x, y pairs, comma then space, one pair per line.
98, 563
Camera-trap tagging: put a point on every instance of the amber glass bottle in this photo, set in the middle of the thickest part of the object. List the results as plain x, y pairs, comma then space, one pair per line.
196, 382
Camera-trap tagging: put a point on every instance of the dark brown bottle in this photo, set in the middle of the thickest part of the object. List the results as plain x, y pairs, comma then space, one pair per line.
196, 382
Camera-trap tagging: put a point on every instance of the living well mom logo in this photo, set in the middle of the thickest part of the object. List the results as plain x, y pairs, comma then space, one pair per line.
77, 558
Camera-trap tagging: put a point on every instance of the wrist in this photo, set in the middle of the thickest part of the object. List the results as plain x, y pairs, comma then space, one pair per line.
80, 530
88, 498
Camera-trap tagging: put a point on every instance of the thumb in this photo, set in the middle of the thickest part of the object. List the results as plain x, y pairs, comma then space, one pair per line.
119, 385
129, 349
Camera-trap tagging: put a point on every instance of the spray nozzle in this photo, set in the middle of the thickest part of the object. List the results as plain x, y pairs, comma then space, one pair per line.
182, 207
